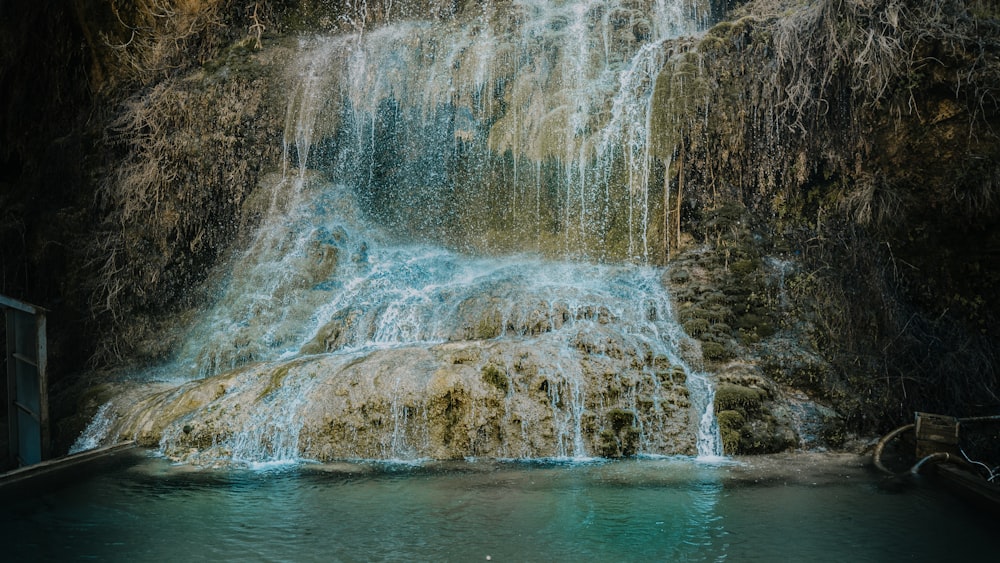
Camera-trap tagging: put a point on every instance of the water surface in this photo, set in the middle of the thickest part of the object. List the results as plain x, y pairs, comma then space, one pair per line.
802, 508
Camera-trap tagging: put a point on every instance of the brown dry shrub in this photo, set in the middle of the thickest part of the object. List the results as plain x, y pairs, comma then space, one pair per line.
138, 42
791, 91
185, 155
862, 135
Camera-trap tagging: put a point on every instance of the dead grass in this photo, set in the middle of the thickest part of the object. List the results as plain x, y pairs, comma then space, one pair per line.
860, 133
139, 42
168, 208
796, 111
792, 90
156, 37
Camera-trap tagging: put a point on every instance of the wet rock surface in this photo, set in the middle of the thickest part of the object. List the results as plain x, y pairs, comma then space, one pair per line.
508, 399
733, 298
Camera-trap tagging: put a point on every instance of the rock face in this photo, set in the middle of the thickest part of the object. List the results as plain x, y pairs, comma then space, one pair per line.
530, 397
843, 213
370, 317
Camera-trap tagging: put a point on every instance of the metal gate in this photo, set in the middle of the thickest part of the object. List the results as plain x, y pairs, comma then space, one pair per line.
27, 384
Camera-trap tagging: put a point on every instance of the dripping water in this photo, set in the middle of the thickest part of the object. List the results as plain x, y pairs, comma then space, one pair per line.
388, 226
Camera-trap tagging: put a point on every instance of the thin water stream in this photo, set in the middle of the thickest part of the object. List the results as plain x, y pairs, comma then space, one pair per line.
456, 261
454, 258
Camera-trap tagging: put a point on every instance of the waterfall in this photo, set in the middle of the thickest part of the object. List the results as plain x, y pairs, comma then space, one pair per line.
96, 431
456, 256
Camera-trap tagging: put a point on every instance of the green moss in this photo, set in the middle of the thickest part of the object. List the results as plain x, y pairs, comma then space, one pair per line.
696, 327
729, 397
619, 419
744, 267
277, 378
497, 377
607, 444
714, 351
730, 426
489, 326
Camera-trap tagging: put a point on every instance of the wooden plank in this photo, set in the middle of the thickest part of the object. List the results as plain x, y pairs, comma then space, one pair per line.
27, 410
20, 477
21, 305
12, 434
24, 359
936, 433
27, 364
42, 365
970, 486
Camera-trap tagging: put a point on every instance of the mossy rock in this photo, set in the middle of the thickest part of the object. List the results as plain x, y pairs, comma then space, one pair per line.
833, 432
713, 300
622, 438
497, 377
625, 444
748, 321
714, 351
744, 267
801, 371
630, 441
696, 326
489, 326
645, 404
619, 419
679, 276
730, 425
678, 375
737, 397
722, 328
607, 444
753, 327
764, 437
277, 378
726, 215
712, 309
752, 436
748, 336
588, 423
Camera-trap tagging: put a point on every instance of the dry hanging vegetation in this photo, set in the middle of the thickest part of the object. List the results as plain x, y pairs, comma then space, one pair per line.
142, 41
189, 127
181, 154
861, 137
855, 134
169, 210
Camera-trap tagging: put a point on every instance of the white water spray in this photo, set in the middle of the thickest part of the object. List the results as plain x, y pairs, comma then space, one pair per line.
391, 228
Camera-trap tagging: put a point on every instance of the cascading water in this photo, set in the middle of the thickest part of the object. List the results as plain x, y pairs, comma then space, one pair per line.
410, 293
